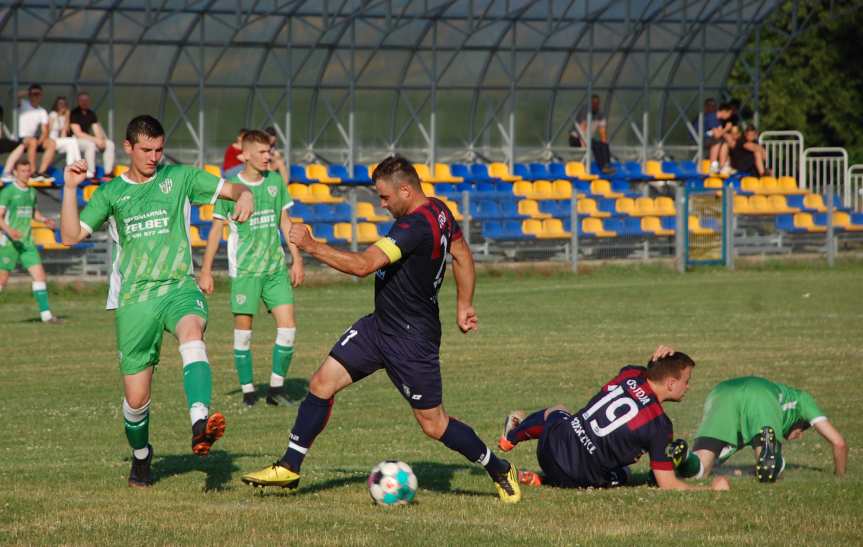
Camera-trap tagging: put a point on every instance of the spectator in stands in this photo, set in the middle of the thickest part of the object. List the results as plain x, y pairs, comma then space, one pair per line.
13, 147
597, 134
711, 124
60, 131
91, 137
277, 160
33, 132
743, 152
233, 161
721, 134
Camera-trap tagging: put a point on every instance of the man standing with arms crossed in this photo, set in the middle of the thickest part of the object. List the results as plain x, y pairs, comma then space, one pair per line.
152, 286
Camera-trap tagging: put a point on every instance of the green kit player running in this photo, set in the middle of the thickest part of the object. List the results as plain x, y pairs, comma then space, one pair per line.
256, 265
17, 210
152, 286
754, 411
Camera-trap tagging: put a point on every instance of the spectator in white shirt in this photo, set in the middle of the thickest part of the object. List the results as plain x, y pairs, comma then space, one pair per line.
60, 131
91, 137
33, 132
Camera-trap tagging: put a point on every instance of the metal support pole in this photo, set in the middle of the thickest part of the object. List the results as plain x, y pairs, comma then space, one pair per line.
111, 101
644, 129
700, 139
728, 223
465, 211
15, 73
588, 138
201, 75
289, 86
681, 228
573, 242
355, 233
831, 236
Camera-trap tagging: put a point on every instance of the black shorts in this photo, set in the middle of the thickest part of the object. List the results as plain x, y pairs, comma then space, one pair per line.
559, 442
8, 145
412, 364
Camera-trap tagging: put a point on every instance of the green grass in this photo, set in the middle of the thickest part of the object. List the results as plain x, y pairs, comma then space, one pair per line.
544, 338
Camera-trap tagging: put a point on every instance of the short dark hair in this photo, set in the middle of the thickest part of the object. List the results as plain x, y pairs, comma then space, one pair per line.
143, 126
398, 169
270, 130
20, 162
725, 106
256, 136
34, 87
670, 365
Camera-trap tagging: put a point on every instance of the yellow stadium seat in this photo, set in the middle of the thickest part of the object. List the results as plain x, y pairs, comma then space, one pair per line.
428, 189
195, 237
814, 201
300, 192
654, 226
120, 169
316, 171
423, 172
37, 224
696, 228
321, 194
442, 174
594, 227
589, 207
805, 221
665, 206
88, 192
843, 220
602, 187
645, 207
367, 232
542, 189
778, 204
788, 185
552, 228
624, 206
759, 205
704, 168
562, 189
531, 227
522, 188
530, 208
366, 211
453, 208
713, 182
576, 169
750, 184
206, 212
501, 171
45, 238
741, 205
769, 185
654, 169
213, 169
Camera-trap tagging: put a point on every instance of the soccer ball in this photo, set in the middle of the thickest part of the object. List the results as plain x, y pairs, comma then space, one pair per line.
392, 483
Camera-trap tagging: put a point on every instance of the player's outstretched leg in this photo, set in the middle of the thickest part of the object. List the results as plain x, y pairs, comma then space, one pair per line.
243, 364
198, 384
136, 422
686, 463
769, 464
283, 352
518, 427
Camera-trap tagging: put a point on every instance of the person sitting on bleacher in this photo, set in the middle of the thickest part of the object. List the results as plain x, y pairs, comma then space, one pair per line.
721, 135
91, 137
712, 127
596, 133
743, 153
232, 163
33, 132
60, 131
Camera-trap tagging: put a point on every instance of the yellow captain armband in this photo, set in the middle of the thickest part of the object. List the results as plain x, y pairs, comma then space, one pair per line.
389, 247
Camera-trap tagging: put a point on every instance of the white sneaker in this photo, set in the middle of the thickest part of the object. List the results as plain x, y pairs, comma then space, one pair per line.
726, 171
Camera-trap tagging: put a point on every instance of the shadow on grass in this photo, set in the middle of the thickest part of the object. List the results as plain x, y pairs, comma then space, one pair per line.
295, 389
737, 470
61, 319
219, 467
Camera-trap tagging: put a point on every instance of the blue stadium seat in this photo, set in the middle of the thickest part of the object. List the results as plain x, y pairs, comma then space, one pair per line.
668, 223
540, 171
820, 219
624, 226
509, 209
323, 231
302, 211
607, 205
361, 174
622, 186
384, 227
522, 170
786, 224
479, 172
298, 174
558, 171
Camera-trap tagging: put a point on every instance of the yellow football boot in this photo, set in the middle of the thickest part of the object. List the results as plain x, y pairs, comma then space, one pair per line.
274, 475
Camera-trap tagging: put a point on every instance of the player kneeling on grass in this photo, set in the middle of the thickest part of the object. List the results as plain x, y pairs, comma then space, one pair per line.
595, 446
152, 286
403, 334
17, 210
754, 411
256, 265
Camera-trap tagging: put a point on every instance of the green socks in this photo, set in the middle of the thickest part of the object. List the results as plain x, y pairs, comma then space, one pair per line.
197, 379
40, 293
243, 364
136, 422
282, 356
690, 467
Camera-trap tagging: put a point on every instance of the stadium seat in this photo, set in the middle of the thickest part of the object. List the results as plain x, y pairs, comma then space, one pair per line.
205, 212
542, 189
366, 211
540, 170
45, 238
120, 169
323, 232
654, 225
462, 171
624, 206
602, 187
654, 169
453, 207
428, 189
741, 205
594, 227
522, 188
814, 202
530, 208
855, 222
759, 205
195, 237
552, 228
361, 174
665, 206
316, 171
480, 173
576, 169
589, 207
423, 172
531, 227
321, 194
297, 173
704, 167
366, 232
750, 184
769, 185
806, 221
562, 189
696, 228
556, 208
501, 171
713, 182
211, 169
788, 185
300, 192
779, 204
645, 207
443, 173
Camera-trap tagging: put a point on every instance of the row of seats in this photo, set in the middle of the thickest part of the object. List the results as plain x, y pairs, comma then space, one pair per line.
555, 228
778, 204
771, 185
817, 222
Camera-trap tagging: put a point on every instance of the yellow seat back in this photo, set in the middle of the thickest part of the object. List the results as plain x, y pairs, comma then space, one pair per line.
206, 212
299, 192
213, 169
664, 206
644, 206
120, 169
531, 227
89, 191
759, 204
542, 189
769, 185
778, 203
788, 185
601, 187
624, 206
750, 184
522, 188
428, 189
814, 201
562, 189
423, 171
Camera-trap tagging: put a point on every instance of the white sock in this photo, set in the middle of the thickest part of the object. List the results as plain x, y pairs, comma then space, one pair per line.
198, 412
714, 166
276, 380
141, 453
242, 339
248, 388
46, 315
285, 336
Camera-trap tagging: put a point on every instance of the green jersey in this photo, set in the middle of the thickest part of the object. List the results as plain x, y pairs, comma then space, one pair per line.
255, 247
17, 205
149, 223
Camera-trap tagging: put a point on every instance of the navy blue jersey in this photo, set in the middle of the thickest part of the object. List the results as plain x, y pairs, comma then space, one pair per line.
619, 424
406, 290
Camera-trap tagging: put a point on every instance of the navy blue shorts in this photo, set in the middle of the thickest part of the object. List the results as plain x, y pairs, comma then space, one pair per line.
413, 365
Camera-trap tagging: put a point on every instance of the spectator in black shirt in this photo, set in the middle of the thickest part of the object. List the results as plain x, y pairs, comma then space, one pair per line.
91, 137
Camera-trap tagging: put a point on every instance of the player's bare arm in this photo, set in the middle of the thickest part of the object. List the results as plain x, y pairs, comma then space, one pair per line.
837, 442
39, 217
667, 480
465, 280
359, 264
244, 201
205, 276
10, 231
70, 221
298, 272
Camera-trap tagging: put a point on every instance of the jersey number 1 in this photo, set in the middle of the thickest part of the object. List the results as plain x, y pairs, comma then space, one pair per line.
614, 403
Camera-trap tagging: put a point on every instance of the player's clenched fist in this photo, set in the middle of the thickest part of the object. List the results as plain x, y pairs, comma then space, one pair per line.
75, 173
244, 206
467, 320
720, 483
301, 236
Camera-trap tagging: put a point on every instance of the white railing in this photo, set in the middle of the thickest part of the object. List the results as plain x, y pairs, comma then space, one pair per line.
823, 166
783, 152
854, 183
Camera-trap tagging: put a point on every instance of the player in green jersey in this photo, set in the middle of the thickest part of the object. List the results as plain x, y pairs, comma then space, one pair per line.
17, 210
152, 285
754, 411
256, 265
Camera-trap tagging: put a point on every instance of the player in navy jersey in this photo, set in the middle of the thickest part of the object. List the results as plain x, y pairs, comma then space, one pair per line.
403, 334
595, 446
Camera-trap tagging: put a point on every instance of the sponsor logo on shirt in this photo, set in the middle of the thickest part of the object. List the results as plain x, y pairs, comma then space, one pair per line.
166, 186
272, 190
241, 299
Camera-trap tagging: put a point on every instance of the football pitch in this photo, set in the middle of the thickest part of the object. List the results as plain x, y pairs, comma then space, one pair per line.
544, 338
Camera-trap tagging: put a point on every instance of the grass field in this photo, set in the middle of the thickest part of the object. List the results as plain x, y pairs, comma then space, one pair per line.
544, 338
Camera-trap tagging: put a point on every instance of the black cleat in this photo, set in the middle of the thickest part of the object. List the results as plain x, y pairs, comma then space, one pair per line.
276, 397
678, 451
139, 476
769, 463
249, 399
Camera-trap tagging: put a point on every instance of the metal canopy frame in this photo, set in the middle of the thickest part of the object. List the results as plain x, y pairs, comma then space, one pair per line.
345, 80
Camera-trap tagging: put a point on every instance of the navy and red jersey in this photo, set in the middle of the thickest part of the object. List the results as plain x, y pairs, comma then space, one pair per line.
619, 424
406, 290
